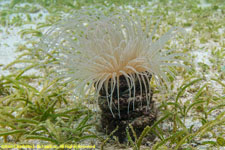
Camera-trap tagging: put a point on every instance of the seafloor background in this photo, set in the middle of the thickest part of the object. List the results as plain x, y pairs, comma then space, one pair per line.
23, 23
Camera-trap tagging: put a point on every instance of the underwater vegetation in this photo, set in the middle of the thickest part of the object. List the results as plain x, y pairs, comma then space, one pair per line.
77, 54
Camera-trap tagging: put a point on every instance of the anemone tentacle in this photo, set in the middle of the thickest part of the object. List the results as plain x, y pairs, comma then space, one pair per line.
95, 50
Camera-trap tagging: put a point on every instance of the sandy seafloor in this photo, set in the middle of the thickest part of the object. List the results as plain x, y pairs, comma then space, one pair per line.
10, 38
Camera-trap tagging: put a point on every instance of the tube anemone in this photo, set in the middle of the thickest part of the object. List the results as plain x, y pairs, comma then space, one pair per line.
113, 53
